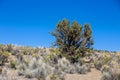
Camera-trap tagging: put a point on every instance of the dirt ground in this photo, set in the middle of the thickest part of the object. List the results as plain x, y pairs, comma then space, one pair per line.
93, 75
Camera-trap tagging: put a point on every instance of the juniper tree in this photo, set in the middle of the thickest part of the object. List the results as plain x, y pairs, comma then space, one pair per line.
73, 39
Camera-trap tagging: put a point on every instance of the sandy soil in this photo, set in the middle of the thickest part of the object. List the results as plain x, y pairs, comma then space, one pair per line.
93, 75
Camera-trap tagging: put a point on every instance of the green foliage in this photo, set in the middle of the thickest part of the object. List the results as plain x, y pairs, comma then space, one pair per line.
55, 51
51, 56
3, 57
103, 61
19, 56
13, 64
54, 77
10, 48
72, 39
54, 54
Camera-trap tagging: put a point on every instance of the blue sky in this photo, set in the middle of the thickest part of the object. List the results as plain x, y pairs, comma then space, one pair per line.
27, 22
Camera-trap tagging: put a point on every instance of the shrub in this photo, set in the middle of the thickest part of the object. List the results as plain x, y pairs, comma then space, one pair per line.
34, 63
53, 77
72, 69
38, 69
19, 57
39, 73
34, 55
118, 57
12, 61
106, 76
113, 73
53, 57
3, 57
87, 67
105, 68
10, 48
73, 39
81, 69
21, 69
64, 64
104, 60
13, 64
28, 73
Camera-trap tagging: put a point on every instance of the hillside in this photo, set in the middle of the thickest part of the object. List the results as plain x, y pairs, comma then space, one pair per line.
28, 63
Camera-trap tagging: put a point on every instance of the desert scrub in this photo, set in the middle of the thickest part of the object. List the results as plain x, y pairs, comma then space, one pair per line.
26, 59
13, 64
53, 77
12, 61
38, 69
19, 57
115, 67
113, 73
71, 69
21, 68
3, 48
88, 67
10, 48
53, 57
82, 69
25, 52
105, 68
54, 50
4, 57
63, 64
34, 55
33, 64
42, 51
80, 62
74, 58
106, 76
43, 69
104, 60
118, 57
26, 62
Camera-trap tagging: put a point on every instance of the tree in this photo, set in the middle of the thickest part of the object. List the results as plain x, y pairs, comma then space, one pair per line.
73, 39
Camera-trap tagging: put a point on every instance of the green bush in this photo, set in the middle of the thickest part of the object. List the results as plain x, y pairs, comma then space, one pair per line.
54, 77
3, 57
104, 60
73, 39
13, 64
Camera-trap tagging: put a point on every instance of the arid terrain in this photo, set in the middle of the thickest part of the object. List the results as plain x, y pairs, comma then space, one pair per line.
93, 75
28, 63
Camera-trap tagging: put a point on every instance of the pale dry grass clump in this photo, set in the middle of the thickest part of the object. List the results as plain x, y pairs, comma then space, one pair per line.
111, 72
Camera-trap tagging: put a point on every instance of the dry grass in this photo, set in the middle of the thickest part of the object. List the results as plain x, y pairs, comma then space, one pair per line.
34, 63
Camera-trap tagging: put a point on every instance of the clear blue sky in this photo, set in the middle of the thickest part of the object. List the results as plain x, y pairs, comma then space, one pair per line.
27, 22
